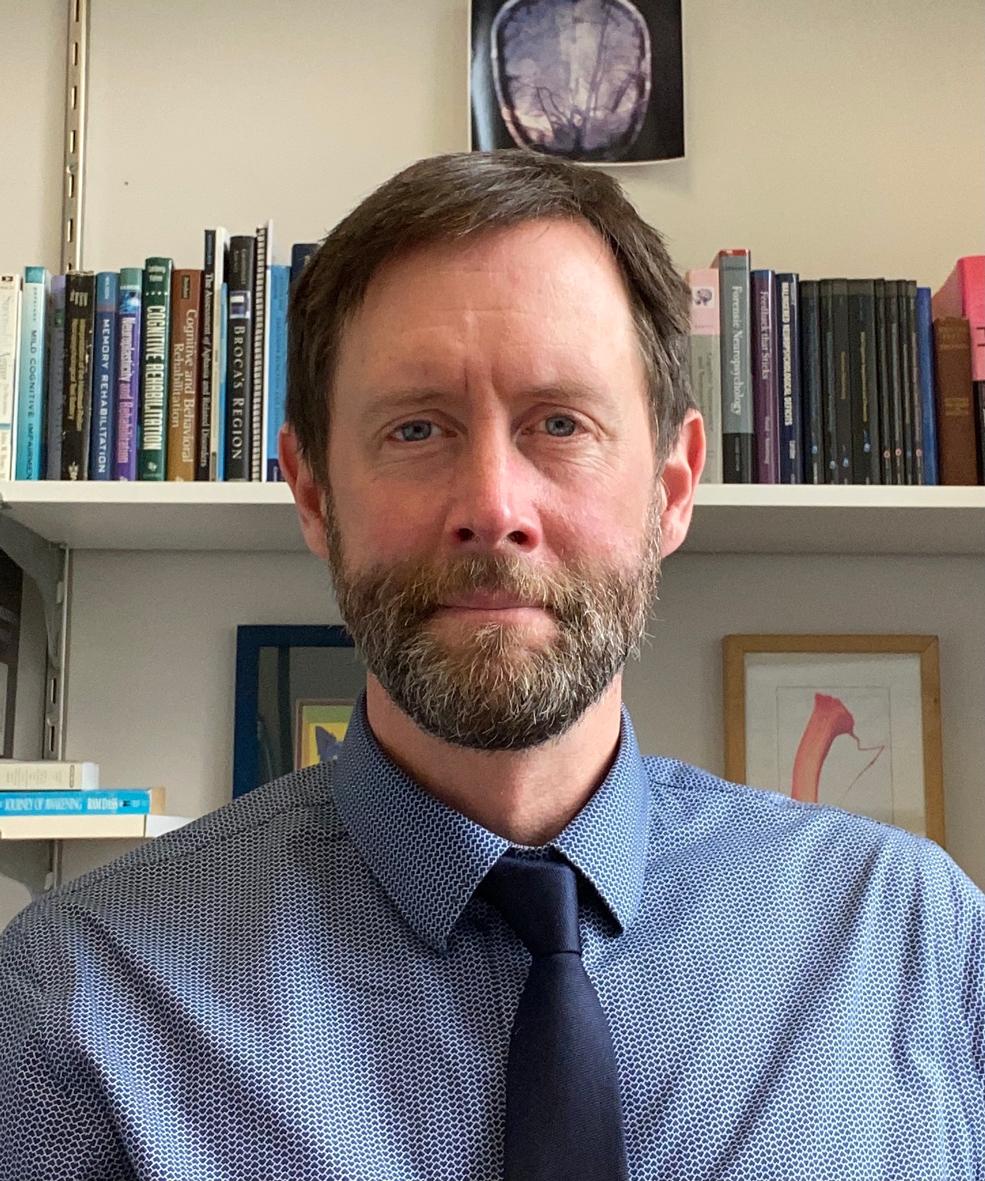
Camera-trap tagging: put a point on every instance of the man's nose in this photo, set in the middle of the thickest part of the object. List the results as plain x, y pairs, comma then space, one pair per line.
493, 502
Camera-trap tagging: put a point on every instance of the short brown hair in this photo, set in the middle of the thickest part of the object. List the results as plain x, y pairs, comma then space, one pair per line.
444, 198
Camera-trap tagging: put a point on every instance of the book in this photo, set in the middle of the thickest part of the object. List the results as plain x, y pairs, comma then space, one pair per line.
47, 775
791, 469
56, 381
223, 379
59, 828
99, 802
239, 351
32, 381
894, 360
866, 453
185, 362
280, 278
10, 332
811, 351
765, 387
738, 434
259, 410
705, 363
913, 389
11, 595
906, 386
155, 363
104, 383
884, 394
956, 432
925, 372
211, 371
301, 254
835, 381
80, 317
130, 345
962, 296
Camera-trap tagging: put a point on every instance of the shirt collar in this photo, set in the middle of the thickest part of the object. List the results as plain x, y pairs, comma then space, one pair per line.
430, 858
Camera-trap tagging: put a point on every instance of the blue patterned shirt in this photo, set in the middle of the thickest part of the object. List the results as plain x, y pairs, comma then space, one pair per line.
301, 986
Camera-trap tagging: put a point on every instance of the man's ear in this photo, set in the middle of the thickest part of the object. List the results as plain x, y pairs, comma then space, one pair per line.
309, 498
679, 478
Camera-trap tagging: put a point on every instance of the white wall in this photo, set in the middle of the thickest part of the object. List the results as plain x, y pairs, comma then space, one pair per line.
829, 137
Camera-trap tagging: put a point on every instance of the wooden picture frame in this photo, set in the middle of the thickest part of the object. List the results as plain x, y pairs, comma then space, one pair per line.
790, 699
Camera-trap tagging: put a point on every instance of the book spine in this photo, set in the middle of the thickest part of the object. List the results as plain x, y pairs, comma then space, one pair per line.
962, 296
925, 371
56, 381
156, 341
16, 774
239, 379
76, 803
32, 375
705, 364
811, 351
11, 296
301, 254
213, 276
979, 408
738, 430
906, 385
260, 410
80, 315
955, 402
765, 392
913, 389
130, 350
895, 359
104, 381
183, 391
883, 391
280, 278
863, 381
791, 470
223, 378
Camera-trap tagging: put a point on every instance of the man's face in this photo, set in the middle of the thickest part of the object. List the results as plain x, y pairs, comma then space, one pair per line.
493, 521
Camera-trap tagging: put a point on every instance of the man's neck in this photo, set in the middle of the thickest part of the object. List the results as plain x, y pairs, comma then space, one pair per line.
525, 796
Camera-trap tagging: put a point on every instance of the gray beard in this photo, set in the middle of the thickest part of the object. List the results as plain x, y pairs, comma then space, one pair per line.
494, 690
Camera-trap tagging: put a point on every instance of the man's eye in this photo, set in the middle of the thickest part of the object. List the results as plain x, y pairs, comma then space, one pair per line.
560, 425
418, 431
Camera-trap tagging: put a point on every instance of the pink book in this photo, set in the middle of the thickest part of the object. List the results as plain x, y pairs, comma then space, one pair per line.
706, 363
963, 296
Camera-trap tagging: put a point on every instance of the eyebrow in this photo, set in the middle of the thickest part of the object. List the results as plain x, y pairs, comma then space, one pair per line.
406, 400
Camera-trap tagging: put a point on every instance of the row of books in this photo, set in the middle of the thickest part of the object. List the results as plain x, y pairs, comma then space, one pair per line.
839, 381
164, 373
51, 800
148, 373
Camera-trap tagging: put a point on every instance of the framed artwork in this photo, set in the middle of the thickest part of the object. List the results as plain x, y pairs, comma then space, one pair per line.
296, 686
597, 81
851, 720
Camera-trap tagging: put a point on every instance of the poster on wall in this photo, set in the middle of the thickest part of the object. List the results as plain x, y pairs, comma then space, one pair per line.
596, 81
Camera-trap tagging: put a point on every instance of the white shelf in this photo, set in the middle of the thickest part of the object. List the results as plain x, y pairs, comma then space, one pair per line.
729, 518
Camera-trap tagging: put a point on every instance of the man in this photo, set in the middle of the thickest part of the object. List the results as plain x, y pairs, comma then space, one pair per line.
491, 939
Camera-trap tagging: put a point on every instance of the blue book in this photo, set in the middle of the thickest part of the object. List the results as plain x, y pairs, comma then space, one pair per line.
788, 360
56, 380
32, 380
223, 341
928, 397
301, 252
280, 278
135, 801
104, 370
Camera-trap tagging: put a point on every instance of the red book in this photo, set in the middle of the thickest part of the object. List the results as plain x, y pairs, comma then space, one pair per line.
963, 297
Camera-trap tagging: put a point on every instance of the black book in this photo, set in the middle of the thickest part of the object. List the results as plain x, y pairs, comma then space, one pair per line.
884, 393
810, 382
895, 358
906, 385
213, 276
836, 385
909, 287
239, 356
864, 392
80, 318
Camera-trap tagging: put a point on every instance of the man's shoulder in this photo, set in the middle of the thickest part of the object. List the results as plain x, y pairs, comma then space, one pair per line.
226, 847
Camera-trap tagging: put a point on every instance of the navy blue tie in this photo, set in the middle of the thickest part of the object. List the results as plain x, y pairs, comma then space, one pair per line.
563, 1115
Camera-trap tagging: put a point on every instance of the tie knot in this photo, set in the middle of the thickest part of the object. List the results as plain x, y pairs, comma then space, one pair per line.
539, 899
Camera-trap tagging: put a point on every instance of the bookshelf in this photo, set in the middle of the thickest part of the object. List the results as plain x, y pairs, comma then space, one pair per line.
162, 574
